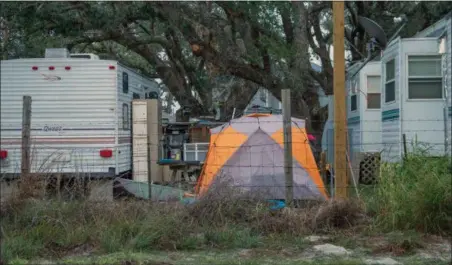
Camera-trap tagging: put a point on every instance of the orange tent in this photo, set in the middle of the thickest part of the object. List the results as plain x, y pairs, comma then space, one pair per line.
250, 152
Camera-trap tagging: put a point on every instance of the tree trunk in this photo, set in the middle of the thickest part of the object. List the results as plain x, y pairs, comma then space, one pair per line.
241, 94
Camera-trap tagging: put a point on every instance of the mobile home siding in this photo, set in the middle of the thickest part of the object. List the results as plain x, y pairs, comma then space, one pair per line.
80, 110
327, 134
390, 115
364, 125
422, 120
444, 25
370, 118
136, 84
353, 117
449, 82
327, 141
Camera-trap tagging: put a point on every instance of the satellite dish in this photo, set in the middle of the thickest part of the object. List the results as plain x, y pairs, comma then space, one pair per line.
374, 30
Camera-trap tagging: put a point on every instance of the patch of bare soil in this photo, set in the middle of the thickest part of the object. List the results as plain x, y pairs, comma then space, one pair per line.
384, 245
436, 247
428, 246
260, 252
74, 251
131, 262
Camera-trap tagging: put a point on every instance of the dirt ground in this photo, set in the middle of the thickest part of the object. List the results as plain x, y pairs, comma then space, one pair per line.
307, 252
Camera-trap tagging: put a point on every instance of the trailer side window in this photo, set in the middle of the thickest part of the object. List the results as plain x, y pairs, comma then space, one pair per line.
425, 77
390, 81
136, 96
353, 103
125, 83
373, 101
125, 117
373, 92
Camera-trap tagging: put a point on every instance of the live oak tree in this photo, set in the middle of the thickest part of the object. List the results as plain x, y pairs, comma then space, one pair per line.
210, 51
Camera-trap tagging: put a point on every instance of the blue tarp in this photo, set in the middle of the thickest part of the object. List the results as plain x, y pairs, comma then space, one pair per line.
277, 204
274, 204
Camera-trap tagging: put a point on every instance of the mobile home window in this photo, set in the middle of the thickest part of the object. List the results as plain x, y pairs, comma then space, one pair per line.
125, 116
390, 81
125, 83
373, 92
353, 103
425, 77
136, 96
373, 100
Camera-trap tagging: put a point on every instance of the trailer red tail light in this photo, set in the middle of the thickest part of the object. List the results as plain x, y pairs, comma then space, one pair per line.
3, 154
67, 68
106, 153
51, 68
34, 68
112, 67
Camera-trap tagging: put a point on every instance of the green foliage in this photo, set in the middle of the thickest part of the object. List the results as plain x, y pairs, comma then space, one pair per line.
232, 237
147, 30
20, 247
415, 194
48, 228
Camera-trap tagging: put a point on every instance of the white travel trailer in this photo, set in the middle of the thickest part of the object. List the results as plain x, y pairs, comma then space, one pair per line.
363, 119
81, 113
363, 108
416, 89
443, 31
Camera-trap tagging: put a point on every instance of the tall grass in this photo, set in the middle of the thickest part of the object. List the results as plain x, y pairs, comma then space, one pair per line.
415, 194
48, 228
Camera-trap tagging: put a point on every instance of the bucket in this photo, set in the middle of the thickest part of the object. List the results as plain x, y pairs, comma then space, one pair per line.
175, 154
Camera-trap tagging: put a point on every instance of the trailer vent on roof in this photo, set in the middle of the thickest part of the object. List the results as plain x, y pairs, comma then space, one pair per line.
89, 56
56, 53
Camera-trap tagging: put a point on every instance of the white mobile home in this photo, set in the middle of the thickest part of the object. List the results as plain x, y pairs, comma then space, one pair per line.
363, 108
443, 31
363, 116
363, 119
415, 88
81, 113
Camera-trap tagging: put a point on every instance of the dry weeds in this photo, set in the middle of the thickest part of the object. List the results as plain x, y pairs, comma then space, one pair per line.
225, 218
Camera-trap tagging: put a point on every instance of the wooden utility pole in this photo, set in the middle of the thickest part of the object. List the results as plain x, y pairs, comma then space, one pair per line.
340, 111
287, 129
26, 142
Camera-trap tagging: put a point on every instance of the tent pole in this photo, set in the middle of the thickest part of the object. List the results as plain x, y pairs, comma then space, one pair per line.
288, 161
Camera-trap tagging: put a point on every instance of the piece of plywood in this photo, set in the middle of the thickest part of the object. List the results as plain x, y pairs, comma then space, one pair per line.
154, 125
139, 140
